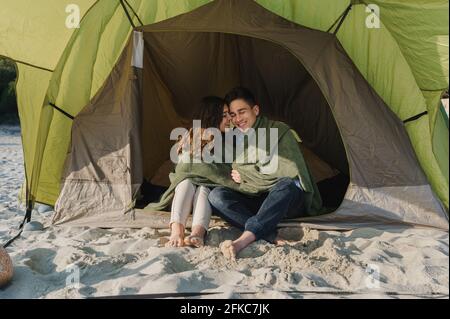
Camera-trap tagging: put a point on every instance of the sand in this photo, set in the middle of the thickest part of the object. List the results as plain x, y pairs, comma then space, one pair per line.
82, 262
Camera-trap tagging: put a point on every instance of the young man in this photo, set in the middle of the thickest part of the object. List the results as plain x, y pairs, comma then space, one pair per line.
267, 193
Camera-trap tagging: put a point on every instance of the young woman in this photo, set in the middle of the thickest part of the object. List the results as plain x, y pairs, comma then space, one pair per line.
191, 182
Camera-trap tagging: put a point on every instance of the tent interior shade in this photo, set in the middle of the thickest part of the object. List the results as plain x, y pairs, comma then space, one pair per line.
182, 67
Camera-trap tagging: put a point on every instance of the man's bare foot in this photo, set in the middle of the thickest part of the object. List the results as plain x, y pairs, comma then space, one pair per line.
228, 250
176, 235
280, 241
196, 238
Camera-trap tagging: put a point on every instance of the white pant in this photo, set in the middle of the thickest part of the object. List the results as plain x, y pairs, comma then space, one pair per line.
189, 197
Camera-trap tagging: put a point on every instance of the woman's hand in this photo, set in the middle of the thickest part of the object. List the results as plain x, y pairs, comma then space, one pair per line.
236, 176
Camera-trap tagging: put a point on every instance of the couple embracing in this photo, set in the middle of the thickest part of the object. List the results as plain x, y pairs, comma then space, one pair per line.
252, 191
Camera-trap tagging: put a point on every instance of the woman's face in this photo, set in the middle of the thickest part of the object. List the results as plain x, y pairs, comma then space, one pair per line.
226, 119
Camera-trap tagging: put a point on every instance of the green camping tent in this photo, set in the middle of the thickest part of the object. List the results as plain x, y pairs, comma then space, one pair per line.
97, 102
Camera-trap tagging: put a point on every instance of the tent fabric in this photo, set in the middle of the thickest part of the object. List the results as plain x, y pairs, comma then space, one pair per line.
378, 54
104, 29
385, 173
391, 59
412, 205
104, 168
34, 35
416, 27
361, 115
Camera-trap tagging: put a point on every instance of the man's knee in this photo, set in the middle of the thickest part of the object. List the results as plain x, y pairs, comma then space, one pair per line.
216, 196
286, 183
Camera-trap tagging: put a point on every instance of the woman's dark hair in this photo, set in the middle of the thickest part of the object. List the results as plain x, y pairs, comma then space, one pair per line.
210, 111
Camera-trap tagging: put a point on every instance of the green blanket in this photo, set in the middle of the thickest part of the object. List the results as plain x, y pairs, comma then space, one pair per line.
261, 175
204, 174
256, 176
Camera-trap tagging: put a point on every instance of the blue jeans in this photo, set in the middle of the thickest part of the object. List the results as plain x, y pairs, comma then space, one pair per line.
258, 214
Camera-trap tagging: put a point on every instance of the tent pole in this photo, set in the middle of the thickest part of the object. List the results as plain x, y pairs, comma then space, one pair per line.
128, 14
415, 117
345, 14
62, 111
340, 19
26, 219
134, 12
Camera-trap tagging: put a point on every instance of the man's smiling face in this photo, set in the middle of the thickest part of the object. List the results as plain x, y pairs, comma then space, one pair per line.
242, 114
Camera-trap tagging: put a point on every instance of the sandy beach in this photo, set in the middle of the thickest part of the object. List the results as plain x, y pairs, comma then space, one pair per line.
81, 262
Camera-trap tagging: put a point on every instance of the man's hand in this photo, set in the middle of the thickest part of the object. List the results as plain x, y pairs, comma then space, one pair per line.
236, 176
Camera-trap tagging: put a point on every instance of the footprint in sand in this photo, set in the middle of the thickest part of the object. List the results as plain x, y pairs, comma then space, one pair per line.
40, 260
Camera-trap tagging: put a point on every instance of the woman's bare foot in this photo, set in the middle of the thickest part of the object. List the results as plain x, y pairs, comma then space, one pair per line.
176, 235
196, 238
194, 241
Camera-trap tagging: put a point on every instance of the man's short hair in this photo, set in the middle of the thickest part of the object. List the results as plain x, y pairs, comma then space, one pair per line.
240, 93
